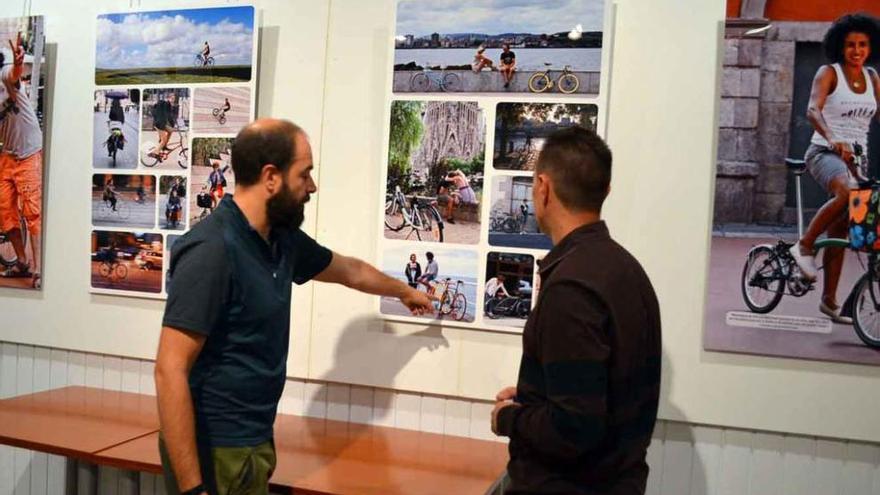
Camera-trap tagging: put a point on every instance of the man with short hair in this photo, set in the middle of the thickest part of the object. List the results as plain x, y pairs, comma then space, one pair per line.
432, 269
21, 166
581, 416
508, 64
221, 363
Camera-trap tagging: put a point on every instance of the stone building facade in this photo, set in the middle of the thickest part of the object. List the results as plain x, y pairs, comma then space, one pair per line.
452, 130
757, 94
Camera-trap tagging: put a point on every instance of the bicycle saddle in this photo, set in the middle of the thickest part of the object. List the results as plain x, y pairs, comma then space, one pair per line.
795, 165
548, 64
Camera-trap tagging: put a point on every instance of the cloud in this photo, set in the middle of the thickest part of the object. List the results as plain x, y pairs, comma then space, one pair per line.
168, 39
498, 16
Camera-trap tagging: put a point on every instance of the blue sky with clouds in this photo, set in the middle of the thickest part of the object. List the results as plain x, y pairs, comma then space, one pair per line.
172, 38
452, 262
421, 17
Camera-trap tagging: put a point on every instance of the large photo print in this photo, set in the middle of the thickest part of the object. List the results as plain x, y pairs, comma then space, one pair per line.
175, 46
499, 46
22, 124
793, 270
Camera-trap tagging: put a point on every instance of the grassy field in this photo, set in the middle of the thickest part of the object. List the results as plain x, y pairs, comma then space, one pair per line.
172, 75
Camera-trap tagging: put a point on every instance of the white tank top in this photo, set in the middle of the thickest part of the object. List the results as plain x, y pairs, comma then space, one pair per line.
848, 114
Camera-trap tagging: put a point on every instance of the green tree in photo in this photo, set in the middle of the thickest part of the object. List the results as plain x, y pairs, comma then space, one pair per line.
206, 148
406, 135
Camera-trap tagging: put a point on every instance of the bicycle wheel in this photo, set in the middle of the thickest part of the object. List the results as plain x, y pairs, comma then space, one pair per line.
121, 271
215, 112
420, 82
104, 270
183, 158
436, 225
450, 82
445, 304
104, 210
393, 216
866, 310
459, 307
539, 82
763, 280
210, 61
147, 159
123, 209
509, 226
222, 119
198, 61
523, 309
569, 83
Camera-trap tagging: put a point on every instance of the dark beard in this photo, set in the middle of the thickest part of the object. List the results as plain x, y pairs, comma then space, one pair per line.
284, 211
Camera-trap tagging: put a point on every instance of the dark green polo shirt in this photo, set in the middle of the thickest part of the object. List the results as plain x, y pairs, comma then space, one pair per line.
229, 284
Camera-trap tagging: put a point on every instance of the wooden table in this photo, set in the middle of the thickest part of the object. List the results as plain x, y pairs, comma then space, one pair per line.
333, 457
76, 421
315, 456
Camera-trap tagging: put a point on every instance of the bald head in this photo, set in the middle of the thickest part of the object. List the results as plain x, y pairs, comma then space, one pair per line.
264, 142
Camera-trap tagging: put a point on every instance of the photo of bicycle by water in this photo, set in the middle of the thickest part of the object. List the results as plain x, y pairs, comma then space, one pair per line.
221, 110
124, 201
434, 183
448, 274
127, 261
116, 128
521, 128
507, 290
499, 46
793, 261
175, 46
211, 178
512, 220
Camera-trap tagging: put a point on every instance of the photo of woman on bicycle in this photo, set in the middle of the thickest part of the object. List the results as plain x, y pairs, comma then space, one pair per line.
123, 200
172, 215
164, 128
784, 183
212, 176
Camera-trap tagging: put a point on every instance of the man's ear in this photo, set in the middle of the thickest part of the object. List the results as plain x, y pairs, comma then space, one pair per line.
270, 176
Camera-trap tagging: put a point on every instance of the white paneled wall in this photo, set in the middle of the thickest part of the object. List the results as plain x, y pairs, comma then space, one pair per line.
685, 459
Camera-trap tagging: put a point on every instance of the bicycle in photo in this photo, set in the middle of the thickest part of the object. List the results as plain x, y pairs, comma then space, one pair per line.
541, 81
152, 156
201, 61
122, 211
113, 269
770, 271
509, 306
500, 221
205, 202
220, 115
115, 141
446, 81
451, 302
418, 213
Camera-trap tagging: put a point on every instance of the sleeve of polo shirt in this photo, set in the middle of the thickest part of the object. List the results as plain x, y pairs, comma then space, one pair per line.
573, 356
311, 257
199, 286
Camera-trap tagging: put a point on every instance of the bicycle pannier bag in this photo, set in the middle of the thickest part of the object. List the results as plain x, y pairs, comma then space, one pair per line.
864, 219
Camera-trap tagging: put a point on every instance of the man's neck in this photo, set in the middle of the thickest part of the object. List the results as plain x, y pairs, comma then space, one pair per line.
254, 210
566, 222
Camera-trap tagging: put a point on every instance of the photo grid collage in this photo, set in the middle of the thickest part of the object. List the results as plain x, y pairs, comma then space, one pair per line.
173, 88
471, 106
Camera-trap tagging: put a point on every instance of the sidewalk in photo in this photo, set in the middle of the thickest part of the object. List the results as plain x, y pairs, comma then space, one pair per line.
725, 295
